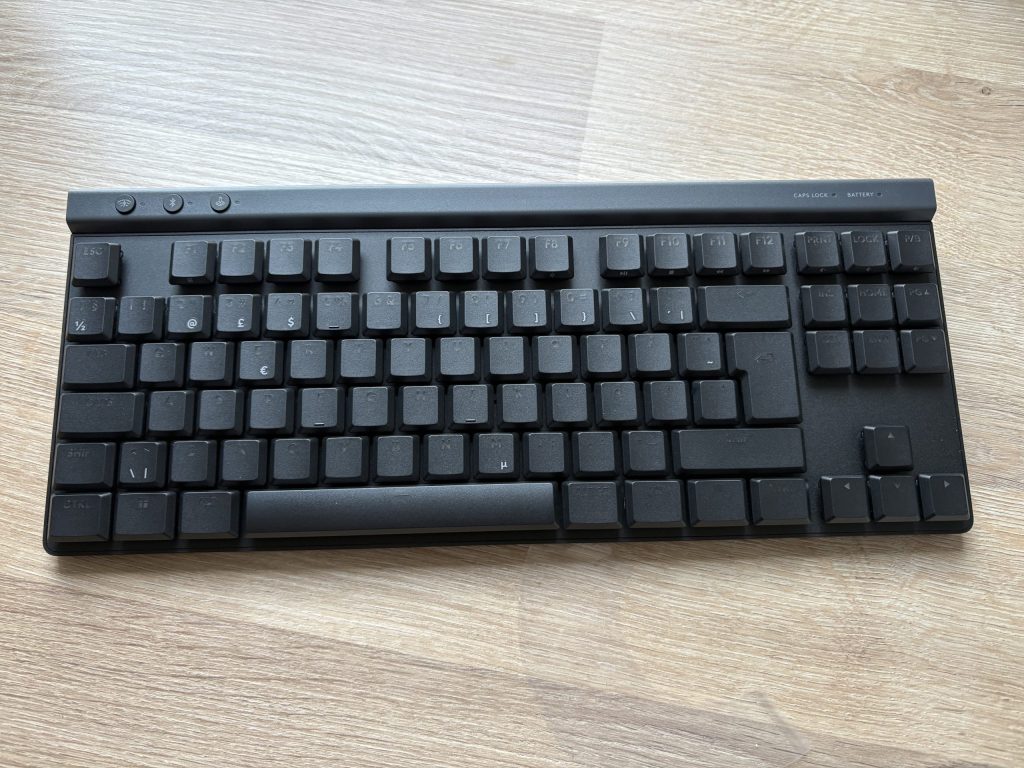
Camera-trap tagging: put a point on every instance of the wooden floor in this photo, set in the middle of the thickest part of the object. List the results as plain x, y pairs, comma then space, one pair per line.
862, 652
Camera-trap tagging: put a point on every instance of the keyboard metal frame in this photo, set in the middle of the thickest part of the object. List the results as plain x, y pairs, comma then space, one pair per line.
835, 408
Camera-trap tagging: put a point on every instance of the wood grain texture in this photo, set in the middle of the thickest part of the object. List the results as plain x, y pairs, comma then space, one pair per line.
864, 652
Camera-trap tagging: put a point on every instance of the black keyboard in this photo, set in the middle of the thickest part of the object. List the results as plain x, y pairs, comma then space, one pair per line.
249, 368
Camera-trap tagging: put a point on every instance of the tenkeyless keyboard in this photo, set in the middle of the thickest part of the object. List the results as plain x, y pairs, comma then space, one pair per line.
250, 369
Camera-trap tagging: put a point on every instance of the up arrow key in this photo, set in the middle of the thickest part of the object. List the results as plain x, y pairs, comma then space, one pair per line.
887, 448
892, 436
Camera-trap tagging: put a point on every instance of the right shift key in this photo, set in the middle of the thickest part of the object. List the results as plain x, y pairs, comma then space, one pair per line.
766, 368
743, 306
738, 451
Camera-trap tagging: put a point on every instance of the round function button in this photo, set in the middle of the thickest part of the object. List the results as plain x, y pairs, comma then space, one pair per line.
220, 202
124, 204
173, 203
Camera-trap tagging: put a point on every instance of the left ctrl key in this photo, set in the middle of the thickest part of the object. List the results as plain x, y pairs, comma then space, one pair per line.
79, 517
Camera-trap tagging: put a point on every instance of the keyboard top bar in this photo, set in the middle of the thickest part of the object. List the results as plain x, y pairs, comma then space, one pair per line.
485, 205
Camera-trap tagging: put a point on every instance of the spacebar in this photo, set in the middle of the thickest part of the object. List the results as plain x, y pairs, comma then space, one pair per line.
400, 509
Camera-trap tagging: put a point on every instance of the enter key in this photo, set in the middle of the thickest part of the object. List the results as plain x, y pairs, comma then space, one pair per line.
766, 367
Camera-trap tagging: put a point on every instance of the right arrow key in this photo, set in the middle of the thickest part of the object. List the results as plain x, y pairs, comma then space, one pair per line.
887, 448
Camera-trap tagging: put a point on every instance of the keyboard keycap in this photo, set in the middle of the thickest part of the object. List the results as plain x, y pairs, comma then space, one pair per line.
271, 411
372, 409
193, 262
876, 352
504, 258
666, 403
311, 361
762, 253
671, 309
544, 454
743, 306
496, 456
91, 319
211, 364
824, 306
419, 509
668, 255
289, 260
397, 459
409, 360
615, 403
654, 504
145, 516
924, 351
457, 258
870, 305
142, 465
766, 367
243, 462
83, 466
779, 501
650, 356
337, 314
96, 264
321, 409
79, 517
576, 310
294, 461
728, 451
220, 411
433, 312
887, 448
141, 317
101, 414
643, 453
446, 458
911, 251
241, 261
845, 499
194, 463
555, 357
621, 256
591, 506
623, 309
189, 317
384, 314
944, 497
238, 315
171, 413
261, 362
506, 358
568, 405
99, 366
470, 407
917, 304
700, 355
817, 253
595, 454
894, 499
360, 361
714, 402
209, 515
408, 259
602, 357
458, 359
287, 315
528, 312
551, 257
162, 365
715, 254
828, 352
519, 406
481, 312
346, 459
717, 503
337, 260
420, 408
864, 251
